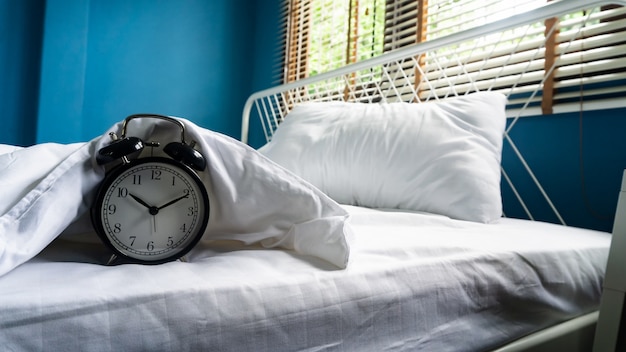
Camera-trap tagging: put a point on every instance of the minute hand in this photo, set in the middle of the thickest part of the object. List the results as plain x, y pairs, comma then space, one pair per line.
173, 201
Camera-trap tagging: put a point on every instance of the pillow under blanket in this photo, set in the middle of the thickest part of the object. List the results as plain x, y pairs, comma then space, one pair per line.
48, 186
440, 157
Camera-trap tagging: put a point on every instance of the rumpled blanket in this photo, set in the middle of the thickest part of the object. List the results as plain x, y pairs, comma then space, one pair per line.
49, 186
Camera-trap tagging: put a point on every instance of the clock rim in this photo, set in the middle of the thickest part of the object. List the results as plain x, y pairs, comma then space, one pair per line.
112, 175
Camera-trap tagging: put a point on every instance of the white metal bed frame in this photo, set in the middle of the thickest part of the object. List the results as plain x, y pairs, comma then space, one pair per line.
272, 105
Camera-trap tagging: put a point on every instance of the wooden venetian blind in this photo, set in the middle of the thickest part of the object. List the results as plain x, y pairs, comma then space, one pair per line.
327, 34
590, 63
404, 23
497, 61
298, 21
579, 55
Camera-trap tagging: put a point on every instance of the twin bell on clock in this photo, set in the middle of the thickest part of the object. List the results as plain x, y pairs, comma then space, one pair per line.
151, 207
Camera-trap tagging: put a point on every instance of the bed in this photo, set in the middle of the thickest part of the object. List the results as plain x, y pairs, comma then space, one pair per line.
339, 234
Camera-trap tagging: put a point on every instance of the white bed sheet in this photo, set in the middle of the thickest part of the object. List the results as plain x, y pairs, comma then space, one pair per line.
414, 282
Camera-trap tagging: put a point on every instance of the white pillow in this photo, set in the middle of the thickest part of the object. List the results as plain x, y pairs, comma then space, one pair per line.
253, 200
439, 157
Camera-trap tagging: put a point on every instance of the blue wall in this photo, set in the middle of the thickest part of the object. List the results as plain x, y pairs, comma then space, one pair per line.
266, 57
21, 23
579, 160
101, 60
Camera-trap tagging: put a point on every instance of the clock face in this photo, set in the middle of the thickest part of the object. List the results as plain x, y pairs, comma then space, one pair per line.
152, 210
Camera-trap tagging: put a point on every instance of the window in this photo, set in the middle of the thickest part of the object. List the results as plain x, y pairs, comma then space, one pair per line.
327, 34
323, 35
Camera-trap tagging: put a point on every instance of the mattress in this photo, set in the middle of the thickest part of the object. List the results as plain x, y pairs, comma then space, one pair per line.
415, 281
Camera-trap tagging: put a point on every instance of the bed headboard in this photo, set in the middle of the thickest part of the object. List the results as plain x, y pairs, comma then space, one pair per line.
543, 74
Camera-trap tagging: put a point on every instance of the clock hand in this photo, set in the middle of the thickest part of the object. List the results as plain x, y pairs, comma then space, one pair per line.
140, 201
152, 209
173, 201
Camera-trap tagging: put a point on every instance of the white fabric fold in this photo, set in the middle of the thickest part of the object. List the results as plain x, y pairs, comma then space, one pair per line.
46, 187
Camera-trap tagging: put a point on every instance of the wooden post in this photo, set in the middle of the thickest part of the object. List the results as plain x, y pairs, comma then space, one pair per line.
422, 22
551, 33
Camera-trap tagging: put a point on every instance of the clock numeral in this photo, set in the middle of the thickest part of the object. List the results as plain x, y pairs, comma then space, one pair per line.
156, 174
191, 211
186, 191
117, 228
173, 180
150, 246
132, 240
183, 228
122, 192
136, 179
170, 241
112, 209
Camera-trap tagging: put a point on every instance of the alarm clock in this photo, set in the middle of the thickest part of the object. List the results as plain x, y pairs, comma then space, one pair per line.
151, 209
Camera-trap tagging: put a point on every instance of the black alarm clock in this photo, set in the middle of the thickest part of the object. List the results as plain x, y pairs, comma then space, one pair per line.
152, 209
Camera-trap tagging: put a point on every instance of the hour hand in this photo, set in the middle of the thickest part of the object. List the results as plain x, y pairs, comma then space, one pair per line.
140, 201
152, 209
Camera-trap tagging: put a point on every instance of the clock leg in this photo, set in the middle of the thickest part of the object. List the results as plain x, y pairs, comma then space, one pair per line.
183, 259
112, 260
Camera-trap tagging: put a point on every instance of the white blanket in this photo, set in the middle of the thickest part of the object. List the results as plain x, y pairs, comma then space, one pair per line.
47, 187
